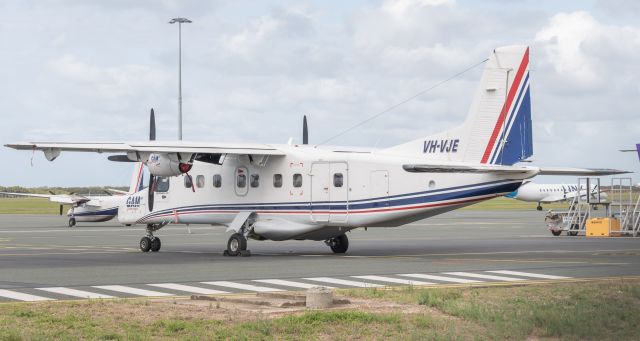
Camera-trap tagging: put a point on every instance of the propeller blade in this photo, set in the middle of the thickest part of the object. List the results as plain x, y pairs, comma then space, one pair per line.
119, 158
152, 126
52, 193
60, 209
107, 193
152, 190
305, 131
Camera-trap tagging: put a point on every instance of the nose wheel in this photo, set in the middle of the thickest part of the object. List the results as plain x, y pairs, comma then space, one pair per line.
151, 242
72, 222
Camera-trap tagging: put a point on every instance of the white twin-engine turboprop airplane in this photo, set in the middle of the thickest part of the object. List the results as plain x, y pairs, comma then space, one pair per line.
547, 193
283, 192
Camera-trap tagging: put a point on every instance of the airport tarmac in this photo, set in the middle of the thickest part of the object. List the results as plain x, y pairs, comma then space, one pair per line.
41, 258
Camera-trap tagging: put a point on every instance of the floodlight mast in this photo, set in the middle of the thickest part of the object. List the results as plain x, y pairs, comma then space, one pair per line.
180, 21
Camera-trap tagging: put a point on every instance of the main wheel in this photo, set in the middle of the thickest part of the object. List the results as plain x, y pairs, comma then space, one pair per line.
339, 244
556, 233
145, 244
72, 222
539, 208
236, 244
155, 244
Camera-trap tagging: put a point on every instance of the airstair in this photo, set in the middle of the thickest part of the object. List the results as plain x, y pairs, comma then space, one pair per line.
626, 206
622, 204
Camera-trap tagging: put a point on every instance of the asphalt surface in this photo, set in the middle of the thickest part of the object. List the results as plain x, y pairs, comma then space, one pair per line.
38, 251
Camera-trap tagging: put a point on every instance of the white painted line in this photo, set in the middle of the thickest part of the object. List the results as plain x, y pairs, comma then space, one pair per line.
188, 288
344, 282
21, 296
133, 291
242, 286
491, 277
75, 292
293, 284
527, 274
442, 278
392, 280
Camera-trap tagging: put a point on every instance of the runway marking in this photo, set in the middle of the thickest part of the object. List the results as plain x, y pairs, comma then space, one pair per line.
527, 274
75, 292
393, 280
344, 282
188, 288
492, 277
289, 283
133, 291
242, 286
442, 278
22, 296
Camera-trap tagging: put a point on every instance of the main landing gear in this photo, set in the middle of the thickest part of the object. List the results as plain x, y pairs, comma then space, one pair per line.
539, 208
237, 246
338, 244
151, 242
72, 222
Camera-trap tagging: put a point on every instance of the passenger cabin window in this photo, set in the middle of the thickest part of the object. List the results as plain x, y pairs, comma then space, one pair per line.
188, 182
255, 180
277, 180
200, 181
297, 180
241, 180
338, 180
217, 181
162, 184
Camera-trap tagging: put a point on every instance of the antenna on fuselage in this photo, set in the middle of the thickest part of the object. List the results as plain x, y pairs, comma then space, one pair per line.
305, 131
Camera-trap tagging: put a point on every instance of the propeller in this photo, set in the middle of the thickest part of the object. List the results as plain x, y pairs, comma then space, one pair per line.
60, 209
152, 178
305, 131
152, 137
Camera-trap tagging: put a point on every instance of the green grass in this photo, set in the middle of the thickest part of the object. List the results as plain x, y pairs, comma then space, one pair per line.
29, 206
603, 310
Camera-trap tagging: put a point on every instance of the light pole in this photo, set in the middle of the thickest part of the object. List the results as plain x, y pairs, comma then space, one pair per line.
180, 21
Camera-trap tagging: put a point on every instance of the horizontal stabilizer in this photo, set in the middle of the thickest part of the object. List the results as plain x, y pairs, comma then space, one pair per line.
580, 171
444, 168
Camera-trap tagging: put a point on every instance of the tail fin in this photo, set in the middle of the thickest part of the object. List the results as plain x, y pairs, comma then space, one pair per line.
136, 178
497, 129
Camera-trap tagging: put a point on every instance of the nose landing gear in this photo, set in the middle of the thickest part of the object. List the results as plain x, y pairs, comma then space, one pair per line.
151, 242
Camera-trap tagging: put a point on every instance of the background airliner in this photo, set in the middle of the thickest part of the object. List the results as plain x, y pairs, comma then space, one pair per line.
548, 193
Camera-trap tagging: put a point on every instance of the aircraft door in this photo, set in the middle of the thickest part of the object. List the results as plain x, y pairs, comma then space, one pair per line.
339, 192
379, 188
161, 195
320, 192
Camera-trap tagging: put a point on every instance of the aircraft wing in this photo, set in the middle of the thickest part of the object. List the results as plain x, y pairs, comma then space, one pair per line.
117, 191
54, 148
69, 199
580, 171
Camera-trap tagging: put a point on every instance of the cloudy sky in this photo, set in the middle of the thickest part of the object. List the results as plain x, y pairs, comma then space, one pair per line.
90, 70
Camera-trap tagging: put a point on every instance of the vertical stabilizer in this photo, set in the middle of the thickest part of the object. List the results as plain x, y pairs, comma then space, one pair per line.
498, 128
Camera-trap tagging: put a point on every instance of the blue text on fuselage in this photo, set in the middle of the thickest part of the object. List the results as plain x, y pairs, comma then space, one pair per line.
133, 201
441, 146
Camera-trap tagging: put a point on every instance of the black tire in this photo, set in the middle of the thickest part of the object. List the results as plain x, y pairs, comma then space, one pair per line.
339, 244
573, 231
539, 208
236, 244
145, 244
72, 222
155, 244
556, 233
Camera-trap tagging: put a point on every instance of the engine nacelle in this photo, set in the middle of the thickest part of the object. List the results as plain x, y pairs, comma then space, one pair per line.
166, 164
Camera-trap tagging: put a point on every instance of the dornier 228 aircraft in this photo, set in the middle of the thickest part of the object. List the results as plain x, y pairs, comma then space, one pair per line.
303, 192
